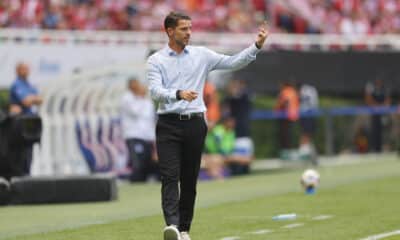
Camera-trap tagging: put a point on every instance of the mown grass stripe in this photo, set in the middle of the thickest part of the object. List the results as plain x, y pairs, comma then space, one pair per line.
382, 235
293, 225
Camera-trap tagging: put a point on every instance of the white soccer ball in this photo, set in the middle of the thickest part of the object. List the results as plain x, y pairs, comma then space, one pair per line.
310, 178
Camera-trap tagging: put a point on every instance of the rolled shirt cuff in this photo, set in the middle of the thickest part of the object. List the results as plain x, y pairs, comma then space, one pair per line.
172, 95
254, 50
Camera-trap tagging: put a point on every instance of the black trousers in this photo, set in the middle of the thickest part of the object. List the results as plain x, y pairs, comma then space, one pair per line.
286, 128
179, 145
376, 133
140, 159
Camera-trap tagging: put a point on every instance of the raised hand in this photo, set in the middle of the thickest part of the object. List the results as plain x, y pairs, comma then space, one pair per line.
262, 34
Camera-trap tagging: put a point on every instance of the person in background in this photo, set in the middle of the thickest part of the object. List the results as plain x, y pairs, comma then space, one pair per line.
308, 106
361, 140
212, 163
398, 132
219, 146
238, 104
24, 97
288, 104
138, 123
24, 100
377, 95
212, 104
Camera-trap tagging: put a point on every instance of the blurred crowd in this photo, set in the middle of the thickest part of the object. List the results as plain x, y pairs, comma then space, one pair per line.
349, 17
294, 16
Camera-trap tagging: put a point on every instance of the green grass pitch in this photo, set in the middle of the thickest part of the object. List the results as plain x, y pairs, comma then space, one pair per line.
357, 200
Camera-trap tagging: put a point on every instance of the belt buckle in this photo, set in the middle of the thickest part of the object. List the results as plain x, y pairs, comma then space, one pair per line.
184, 117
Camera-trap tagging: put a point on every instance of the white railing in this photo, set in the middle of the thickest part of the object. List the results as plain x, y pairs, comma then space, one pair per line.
219, 41
79, 115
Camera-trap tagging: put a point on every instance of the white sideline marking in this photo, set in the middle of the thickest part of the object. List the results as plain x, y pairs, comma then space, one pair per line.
263, 231
382, 235
294, 225
322, 217
230, 238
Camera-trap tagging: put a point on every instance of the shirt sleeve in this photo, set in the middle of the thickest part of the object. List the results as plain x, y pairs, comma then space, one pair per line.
130, 107
157, 91
237, 61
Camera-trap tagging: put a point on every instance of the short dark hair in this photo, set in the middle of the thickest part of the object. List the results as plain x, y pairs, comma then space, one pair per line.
171, 20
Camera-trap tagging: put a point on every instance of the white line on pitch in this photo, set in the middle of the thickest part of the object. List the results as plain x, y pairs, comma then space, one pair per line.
230, 238
260, 232
382, 235
322, 217
294, 225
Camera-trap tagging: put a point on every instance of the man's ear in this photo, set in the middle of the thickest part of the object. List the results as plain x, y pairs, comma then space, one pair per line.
170, 31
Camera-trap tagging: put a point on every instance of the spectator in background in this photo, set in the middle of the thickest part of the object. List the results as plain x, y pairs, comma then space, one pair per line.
212, 104
52, 18
238, 104
308, 107
350, 17
355, 24
377, 95
24, 100
288, 104
138, 123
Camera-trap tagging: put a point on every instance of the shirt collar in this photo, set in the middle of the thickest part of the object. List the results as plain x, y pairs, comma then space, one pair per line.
171, 52
20, 80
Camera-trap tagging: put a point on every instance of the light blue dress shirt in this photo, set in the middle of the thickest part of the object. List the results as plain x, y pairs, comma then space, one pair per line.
168, 72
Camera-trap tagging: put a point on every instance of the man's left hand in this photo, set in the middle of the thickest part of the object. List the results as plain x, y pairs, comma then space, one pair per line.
262, 35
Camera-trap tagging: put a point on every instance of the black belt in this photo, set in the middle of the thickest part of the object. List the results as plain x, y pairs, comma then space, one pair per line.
182, 117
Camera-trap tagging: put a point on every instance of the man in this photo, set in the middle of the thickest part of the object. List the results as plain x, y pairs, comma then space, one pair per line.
24, 99
308, 106
288, 103
176, 76
238, 104
377, 95
138, 123
212, 104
